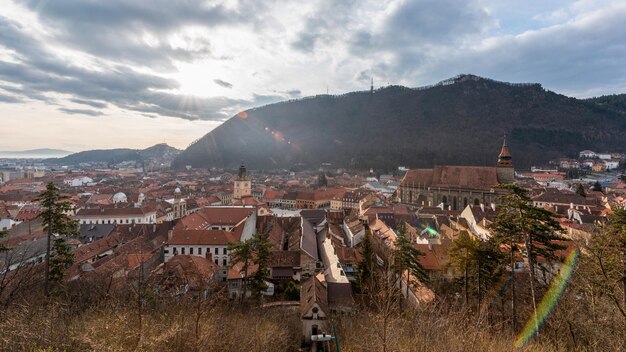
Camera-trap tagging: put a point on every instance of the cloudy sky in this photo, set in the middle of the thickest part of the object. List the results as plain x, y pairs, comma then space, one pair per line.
84, 74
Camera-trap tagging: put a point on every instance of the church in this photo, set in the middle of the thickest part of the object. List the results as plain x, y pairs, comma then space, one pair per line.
457, 186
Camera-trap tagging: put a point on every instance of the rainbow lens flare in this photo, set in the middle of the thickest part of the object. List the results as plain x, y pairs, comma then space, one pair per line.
549, 300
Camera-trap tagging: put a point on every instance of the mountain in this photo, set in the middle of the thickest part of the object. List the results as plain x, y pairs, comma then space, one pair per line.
39, 153
160, 153
615, 102
460, 121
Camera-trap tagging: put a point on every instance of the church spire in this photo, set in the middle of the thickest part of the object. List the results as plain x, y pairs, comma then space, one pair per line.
504, 158
372, 86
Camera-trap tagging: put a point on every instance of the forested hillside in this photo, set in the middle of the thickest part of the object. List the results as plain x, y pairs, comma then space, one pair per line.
458, 121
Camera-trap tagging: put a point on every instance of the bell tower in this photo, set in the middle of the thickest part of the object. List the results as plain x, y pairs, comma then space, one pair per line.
504, 167
243, 184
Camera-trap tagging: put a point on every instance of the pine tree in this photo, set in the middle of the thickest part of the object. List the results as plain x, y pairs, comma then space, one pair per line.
406, 260
463, 255
262, 256
528, 231
57, 223
479, 261
365, 273
580, 190
241, 252
3, 233
597, 187
322, 181
254, 251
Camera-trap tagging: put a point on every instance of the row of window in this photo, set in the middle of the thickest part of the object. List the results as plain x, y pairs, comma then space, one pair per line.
199, 250
122, 221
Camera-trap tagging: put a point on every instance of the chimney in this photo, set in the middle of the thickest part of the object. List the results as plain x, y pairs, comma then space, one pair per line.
169, 235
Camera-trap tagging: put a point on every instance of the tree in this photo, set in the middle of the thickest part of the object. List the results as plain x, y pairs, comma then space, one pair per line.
527, 231
253, 251
480, 261
406, 260
241, 252
57, 223
581, 190
365, 269
3, 248
463, 255
261, 248
605, 266
597, 187
322, 181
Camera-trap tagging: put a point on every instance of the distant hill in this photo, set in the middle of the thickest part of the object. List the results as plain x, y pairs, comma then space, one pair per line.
39, 153
160, 152
457, 121
615, 102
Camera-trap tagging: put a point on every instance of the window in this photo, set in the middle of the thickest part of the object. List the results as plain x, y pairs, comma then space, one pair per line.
190, 250
182, 250
224, 251
216, 262
166, 251
224, 262
217, 251
200, 250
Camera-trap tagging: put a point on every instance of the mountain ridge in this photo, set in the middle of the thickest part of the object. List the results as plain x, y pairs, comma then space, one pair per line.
460, 121
116, 155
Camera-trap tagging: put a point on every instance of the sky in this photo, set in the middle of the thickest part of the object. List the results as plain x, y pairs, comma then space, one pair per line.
79, 75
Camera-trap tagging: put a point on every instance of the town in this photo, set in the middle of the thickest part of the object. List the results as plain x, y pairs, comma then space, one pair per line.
180, 233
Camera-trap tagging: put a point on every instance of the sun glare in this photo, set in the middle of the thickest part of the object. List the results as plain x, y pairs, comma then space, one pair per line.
196, 79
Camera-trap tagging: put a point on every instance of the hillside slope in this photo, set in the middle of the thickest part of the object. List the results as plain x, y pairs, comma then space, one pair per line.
458, 121
156, 152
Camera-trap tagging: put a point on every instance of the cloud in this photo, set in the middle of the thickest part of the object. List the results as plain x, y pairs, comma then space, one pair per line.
324, 24
92, 103
223, 83
136, 32
9, 99
81, 112
42, 71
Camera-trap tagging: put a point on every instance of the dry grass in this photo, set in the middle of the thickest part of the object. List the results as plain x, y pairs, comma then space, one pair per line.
167, 327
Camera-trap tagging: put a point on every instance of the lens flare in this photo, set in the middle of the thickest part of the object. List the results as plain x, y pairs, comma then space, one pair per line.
242, 115
549, 300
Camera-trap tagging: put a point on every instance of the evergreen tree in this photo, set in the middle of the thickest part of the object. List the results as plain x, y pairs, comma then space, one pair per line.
365, 269
463, 255
527, 231
241, 252
58, 224
322, 181
261, 257
254, 251
581, 190
3, 233
406, 260
479, 261
597, 187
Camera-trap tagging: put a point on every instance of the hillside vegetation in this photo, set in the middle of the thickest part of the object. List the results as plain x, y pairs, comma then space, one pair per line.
159, 151
459, 121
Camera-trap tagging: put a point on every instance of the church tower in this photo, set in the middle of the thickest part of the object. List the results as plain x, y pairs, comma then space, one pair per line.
243, 184
504, 167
